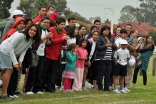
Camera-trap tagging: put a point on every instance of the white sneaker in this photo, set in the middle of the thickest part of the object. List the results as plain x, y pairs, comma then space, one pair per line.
15, 96
123, 90
29, 93
61, 88
84, 89
116, 90
126, 89
39, 92
11, 96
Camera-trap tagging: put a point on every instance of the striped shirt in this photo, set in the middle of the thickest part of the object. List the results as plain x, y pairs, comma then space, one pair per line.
108, 54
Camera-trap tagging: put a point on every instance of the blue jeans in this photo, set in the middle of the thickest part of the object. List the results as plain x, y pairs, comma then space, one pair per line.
104, 68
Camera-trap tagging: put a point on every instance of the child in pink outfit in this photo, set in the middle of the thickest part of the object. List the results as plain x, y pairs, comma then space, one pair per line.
82, 56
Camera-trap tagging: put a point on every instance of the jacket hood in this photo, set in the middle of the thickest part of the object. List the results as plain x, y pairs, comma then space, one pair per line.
17, 21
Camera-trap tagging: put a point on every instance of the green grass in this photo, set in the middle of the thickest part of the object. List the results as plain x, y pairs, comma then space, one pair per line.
136, 96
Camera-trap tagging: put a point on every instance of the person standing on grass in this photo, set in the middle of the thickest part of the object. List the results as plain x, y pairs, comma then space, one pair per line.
121, 56
72, 33
138, 61
104, 51
91, 64
42, 11
71, 58
97, 23
79, 71
146, 53
33, 75
49, 72
13, 47
81, 35
71, 22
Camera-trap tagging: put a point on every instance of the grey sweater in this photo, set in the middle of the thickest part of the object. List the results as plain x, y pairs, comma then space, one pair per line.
16, 45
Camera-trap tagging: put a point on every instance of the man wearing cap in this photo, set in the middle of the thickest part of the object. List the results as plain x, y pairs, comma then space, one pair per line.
10, 23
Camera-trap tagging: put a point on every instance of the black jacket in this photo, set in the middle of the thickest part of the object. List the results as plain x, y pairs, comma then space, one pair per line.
101, 47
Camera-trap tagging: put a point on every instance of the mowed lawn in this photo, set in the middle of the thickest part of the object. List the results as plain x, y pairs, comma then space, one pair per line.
136, 96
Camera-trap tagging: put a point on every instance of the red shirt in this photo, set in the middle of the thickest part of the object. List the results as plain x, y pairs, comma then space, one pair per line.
37, 19
53, 51
54, 16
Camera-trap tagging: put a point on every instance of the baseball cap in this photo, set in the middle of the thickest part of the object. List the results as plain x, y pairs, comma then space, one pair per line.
123, 42
18, 12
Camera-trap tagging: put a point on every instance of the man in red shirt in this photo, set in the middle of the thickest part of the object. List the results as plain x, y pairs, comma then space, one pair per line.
52, 14
42, 11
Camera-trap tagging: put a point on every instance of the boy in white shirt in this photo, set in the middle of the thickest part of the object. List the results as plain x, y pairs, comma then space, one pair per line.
121, 56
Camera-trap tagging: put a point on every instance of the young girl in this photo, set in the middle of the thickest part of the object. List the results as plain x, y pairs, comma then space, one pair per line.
82, 56
16, 46
71, 58
146, 53
91, 64
72, 32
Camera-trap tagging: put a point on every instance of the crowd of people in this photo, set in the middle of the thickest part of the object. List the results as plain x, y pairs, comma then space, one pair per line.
52, 54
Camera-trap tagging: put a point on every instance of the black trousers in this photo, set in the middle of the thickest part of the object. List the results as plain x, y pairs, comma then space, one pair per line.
59, 74
33, 77
136, 70
104, 68
13, 82
48, 76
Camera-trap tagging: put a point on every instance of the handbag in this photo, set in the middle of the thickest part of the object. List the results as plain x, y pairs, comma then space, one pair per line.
34, 60
34, 57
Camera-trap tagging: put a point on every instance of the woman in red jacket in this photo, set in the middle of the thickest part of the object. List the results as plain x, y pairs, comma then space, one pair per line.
53, 51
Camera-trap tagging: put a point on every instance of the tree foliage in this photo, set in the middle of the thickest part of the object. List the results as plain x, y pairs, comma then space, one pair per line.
5, 5
145, 13
107, 21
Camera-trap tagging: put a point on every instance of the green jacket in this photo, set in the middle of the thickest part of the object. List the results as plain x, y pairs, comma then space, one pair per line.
70, 61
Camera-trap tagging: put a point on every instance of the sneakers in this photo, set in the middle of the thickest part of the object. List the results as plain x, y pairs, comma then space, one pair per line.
123, 91
126, 89
84, 89
14, 96
39, 92
29, 93
116, 90
61, 88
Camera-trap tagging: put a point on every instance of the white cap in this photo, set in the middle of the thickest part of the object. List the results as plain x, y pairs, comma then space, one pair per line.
132, 61
139, 38
18, 12
123, 42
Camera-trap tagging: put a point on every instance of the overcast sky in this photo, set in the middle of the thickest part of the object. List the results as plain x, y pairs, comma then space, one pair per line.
93, 8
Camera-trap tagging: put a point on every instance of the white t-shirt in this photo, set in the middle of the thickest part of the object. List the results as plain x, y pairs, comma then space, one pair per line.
121, 56
71, 40
118, 41
41, 48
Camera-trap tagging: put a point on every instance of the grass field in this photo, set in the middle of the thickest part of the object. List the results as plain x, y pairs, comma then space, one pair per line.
136, 96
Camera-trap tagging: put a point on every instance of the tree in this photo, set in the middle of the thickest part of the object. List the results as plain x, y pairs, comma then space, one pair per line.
91, 19
145, 13
107, 21
127, 14
26, 7
5, 5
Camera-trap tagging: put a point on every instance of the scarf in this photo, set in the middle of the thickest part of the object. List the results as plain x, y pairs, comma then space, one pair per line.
44, 29
58, 30
92, 48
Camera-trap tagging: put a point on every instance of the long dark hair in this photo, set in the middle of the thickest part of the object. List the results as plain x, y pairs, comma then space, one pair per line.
104, 28
36, 38
91, 28
70, 31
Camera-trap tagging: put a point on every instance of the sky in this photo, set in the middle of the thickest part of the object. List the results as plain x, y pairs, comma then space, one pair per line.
93, 8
